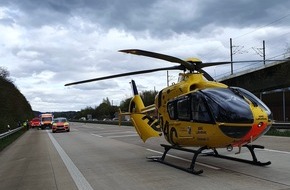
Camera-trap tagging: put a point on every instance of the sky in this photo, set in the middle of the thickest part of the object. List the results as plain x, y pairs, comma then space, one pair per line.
46, 44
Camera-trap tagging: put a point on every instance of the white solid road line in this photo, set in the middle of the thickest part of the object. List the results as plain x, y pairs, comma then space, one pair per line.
96, 135
277, 151
77, 176
177, 157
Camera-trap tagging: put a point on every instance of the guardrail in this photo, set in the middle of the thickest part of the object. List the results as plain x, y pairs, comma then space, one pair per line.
10, 132
281, 125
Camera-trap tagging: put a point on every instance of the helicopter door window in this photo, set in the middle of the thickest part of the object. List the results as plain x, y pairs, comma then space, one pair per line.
183, 109
171, 111
200, 112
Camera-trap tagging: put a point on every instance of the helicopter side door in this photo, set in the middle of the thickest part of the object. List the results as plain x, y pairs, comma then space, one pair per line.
186, 114
179, 115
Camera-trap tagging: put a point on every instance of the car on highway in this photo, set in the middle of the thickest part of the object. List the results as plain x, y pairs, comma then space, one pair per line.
60, 124
35, 122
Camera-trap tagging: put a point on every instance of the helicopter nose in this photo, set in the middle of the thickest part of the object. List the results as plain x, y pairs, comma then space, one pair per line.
233, 131
267, 124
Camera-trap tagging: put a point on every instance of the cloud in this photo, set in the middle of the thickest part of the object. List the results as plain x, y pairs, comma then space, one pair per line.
46, 44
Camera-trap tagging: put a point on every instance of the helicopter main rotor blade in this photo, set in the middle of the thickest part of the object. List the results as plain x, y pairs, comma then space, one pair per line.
159, 56
127, 74
206, 75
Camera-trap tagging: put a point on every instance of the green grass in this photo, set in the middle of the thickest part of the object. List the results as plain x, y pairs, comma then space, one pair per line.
278, 132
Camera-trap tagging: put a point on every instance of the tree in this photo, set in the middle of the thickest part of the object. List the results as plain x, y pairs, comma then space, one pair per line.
84, 112
4, 73
105, 110
124, 105
148, 97
107, 101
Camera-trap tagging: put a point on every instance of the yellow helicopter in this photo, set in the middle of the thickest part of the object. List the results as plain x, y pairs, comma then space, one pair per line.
197, 112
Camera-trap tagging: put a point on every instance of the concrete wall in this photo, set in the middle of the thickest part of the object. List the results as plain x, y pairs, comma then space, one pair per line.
270, 77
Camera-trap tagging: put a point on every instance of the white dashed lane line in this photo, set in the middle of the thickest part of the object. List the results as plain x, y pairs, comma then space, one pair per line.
116, 134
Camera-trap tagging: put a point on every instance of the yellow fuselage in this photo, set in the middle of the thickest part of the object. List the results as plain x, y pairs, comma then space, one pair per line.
242, 119
193, 133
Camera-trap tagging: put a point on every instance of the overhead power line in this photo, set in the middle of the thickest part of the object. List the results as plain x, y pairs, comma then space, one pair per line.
275, 21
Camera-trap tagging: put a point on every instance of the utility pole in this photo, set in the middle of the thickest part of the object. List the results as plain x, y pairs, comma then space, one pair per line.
167, 76
236, 50
231, 53
264, 54
261, 52
284, 105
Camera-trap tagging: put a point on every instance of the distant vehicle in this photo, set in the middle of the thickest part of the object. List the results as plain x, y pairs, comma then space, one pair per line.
82, 119
60, 124
35, 122
46, 120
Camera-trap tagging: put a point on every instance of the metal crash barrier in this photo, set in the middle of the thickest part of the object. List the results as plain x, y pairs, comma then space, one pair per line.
10, 132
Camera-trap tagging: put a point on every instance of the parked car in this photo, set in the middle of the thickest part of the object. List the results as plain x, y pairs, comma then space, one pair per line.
35, 122
60, 124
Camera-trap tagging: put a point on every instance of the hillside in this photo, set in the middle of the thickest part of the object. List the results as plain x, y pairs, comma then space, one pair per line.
13, 106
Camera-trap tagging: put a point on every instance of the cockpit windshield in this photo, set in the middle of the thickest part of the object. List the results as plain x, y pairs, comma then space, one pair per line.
256, 101
228, 106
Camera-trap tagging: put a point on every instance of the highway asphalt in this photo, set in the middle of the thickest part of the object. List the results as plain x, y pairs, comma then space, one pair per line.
98, 156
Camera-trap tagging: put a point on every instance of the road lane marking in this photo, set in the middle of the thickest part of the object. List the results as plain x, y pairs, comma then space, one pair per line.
77, 176
116, 136
277, 151
118, 132
120, 136
111, 131
187, 160
96, 135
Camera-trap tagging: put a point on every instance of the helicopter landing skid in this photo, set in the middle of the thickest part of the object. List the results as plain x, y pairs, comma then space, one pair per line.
192, 165
253, 154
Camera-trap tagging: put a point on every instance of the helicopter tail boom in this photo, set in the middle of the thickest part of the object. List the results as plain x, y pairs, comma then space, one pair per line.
142, 118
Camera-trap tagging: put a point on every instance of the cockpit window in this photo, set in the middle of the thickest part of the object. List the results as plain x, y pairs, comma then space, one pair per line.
212, 105
227, 106
253, 99
200, 112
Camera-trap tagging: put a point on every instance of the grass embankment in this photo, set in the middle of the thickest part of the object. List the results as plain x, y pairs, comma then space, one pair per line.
278, 132
14, 108
11, 138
